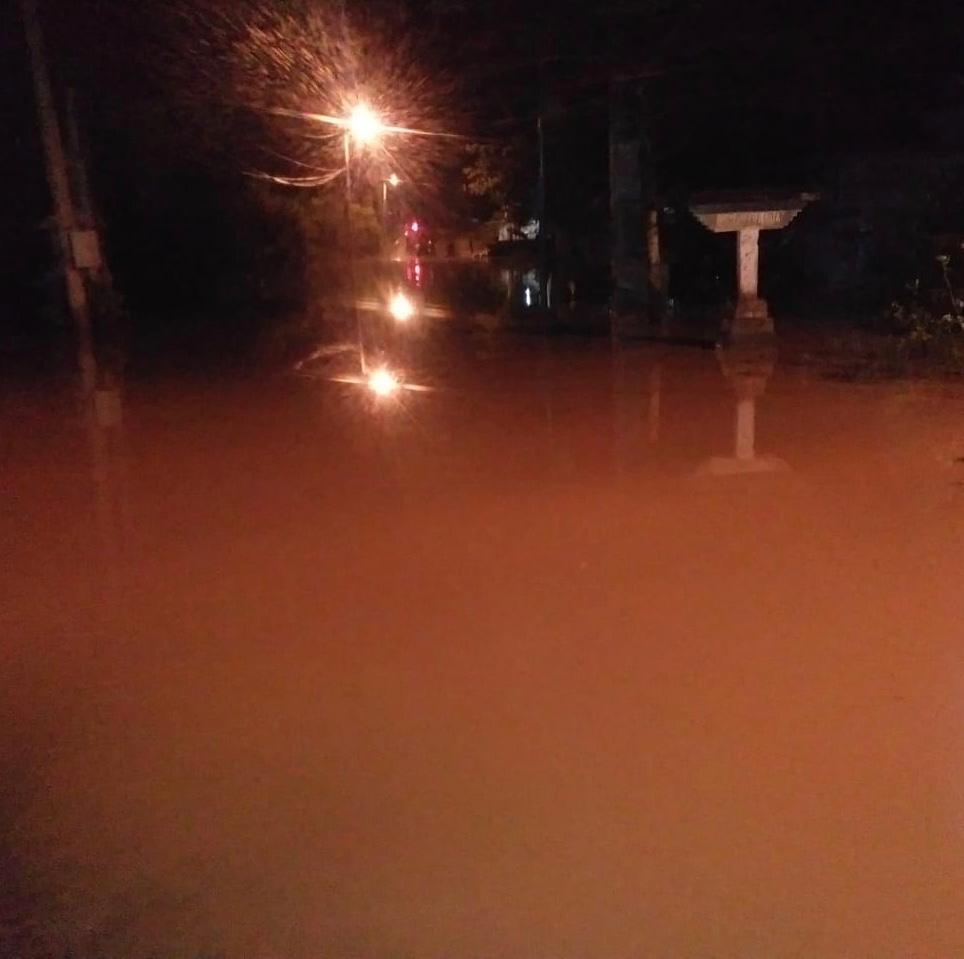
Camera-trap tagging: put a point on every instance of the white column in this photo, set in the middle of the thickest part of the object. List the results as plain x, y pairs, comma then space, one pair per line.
748, 262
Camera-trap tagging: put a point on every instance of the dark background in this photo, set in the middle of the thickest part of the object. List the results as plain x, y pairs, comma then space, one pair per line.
859, 101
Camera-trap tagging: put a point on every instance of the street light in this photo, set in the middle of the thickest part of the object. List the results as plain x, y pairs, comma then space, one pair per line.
364, 124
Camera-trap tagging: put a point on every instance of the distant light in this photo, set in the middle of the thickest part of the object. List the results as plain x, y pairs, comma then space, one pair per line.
364, 124
383, 382
415, 226
528, 296
401, 307
531, 229
394, 180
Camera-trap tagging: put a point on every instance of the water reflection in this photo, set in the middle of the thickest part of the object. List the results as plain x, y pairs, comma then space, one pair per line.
463, 291
637, 405
748, 369
102, 419
485, 677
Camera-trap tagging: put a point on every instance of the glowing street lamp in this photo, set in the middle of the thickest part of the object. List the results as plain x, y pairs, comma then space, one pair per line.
401, 307
363, 124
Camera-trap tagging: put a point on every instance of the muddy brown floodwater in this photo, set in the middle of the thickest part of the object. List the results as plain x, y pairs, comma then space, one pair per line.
656, 653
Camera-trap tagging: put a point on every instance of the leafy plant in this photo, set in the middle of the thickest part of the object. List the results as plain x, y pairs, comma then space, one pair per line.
932, 321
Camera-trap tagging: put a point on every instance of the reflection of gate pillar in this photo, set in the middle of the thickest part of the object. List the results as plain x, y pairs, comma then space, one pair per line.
745, 428
747, 215
748, 368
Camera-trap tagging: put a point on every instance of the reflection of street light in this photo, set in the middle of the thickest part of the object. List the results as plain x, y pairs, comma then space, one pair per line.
401, 307
383, 382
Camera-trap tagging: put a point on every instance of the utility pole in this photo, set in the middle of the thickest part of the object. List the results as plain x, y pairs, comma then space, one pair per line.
82, 264
627, 251
350, 244
77, 247
541, 210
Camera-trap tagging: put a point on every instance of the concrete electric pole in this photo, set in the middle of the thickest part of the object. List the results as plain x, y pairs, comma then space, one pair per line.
79, 248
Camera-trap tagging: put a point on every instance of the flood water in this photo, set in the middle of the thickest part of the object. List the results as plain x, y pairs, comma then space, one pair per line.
585, 653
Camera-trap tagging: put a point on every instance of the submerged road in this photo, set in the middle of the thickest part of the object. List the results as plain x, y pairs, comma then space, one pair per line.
574, 656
